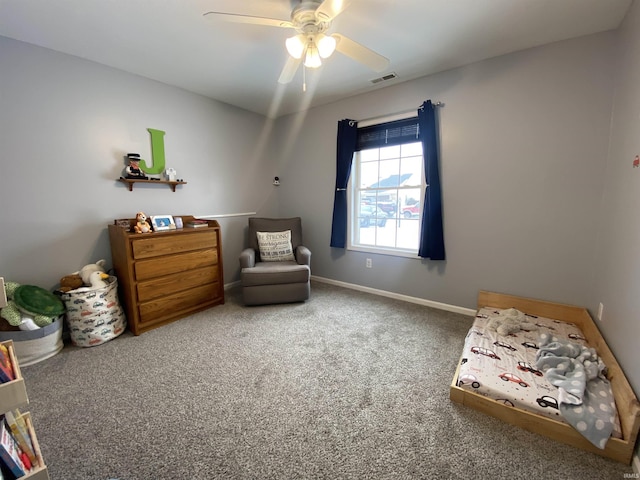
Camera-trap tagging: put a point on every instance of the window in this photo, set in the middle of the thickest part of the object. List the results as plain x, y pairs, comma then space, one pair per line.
349, 196
386, 189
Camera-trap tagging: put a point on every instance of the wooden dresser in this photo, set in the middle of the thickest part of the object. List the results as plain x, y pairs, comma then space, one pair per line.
168, 275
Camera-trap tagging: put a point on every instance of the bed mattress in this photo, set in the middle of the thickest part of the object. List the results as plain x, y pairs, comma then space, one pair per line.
503, 368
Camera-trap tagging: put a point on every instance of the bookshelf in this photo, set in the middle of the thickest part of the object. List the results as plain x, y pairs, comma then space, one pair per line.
13, 395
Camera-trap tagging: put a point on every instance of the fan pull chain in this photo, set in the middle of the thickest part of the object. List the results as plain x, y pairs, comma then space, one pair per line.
304, 78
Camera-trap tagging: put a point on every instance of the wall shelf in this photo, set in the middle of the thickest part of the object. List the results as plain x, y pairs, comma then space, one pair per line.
129, 182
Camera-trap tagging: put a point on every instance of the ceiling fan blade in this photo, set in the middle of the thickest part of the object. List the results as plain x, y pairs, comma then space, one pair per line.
232, 17
289, 70
329, 9
360, 53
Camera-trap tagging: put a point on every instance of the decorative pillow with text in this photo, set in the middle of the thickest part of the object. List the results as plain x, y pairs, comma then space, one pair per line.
275, 246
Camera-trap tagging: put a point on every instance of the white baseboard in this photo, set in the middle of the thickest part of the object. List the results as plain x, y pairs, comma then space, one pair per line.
383, 293
228, 286
398, 296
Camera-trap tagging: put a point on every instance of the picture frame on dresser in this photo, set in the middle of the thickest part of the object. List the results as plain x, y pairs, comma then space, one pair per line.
123, 223
162, 222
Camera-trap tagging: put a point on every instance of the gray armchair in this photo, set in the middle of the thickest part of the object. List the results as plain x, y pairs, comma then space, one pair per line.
268, 282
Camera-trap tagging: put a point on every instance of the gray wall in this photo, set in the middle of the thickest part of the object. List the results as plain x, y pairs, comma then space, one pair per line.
523, 145
617, 260
65, 124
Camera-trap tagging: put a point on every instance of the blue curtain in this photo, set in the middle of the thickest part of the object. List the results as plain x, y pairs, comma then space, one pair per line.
347, 138
431, 231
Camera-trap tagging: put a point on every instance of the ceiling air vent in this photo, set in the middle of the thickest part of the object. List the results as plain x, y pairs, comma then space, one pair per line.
388, 76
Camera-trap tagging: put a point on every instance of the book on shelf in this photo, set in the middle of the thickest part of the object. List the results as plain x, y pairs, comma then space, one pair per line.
20, 433
196, 224
10, 453
6, 368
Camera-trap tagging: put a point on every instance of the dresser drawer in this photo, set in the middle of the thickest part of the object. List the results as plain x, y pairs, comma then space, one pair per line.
182, 242
157, 267
155, 310
170, 284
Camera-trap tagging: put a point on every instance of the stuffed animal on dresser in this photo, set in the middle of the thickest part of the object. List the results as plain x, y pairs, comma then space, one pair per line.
141, 226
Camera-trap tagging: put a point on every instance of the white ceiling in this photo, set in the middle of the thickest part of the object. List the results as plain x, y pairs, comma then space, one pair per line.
170, 41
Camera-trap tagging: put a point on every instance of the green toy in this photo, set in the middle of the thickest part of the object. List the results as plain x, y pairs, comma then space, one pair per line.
30, 307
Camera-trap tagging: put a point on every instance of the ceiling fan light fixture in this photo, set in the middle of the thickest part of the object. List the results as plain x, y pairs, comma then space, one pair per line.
311, 19
295, 46
326, 45
312, 58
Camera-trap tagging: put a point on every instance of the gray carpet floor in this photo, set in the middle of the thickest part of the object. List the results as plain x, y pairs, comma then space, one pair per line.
345, 386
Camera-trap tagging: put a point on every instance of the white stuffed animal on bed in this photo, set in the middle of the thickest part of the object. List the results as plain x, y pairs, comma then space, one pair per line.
510, 321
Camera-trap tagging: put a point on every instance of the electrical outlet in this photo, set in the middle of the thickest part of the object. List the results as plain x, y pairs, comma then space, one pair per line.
600, 311
3, 294
369, 263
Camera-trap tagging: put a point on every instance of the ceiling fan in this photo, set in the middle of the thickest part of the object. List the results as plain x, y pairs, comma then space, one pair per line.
311, 19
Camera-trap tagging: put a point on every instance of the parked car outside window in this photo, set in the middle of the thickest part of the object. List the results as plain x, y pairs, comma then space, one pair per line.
411, 211
370, 215
387, 207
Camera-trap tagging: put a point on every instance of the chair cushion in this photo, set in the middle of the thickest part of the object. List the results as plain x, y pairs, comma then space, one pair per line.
275, 246
269, 273
259, 224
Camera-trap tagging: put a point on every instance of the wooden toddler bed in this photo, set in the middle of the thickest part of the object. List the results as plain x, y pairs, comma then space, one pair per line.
619, 449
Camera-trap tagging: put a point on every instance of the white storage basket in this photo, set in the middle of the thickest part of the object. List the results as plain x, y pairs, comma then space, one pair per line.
33, 346
94, 316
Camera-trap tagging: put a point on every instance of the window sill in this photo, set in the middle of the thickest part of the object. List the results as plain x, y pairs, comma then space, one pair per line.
384, 251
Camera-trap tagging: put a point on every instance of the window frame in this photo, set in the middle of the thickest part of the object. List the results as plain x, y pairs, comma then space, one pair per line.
353, 198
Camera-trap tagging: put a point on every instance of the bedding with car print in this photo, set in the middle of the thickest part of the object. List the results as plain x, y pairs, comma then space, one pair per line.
499, 361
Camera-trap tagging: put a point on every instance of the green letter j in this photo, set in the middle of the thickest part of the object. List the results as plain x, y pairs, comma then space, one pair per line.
157, 153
